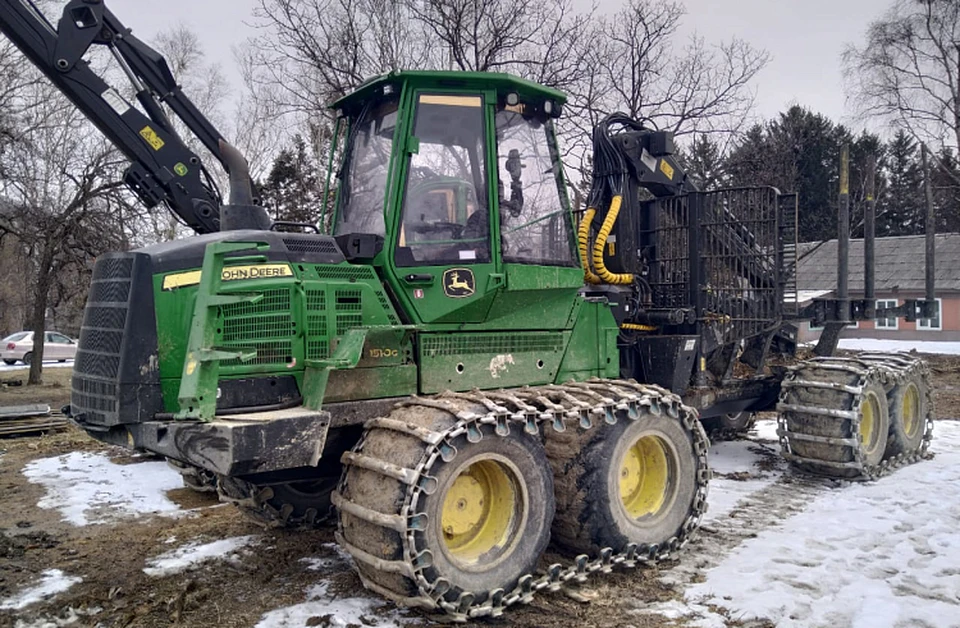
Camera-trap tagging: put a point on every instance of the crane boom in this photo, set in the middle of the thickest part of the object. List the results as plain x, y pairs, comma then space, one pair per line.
163, 168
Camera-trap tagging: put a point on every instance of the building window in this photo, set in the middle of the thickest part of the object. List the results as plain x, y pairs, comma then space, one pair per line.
932, 324
887, 322
853, 325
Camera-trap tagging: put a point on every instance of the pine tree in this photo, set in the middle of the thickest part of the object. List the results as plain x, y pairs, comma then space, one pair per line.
293, 190
900, 209
704, 163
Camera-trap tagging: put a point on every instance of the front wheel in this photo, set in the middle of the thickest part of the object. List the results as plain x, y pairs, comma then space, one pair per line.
27, 358
473, 521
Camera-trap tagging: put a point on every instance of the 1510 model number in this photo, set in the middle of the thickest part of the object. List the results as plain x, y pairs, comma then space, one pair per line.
383, 353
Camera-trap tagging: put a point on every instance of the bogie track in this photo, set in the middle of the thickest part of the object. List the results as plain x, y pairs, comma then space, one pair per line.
410, 484
856, 418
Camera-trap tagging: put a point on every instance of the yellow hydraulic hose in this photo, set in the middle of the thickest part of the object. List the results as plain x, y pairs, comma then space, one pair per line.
583, 238
605, 275
636, 327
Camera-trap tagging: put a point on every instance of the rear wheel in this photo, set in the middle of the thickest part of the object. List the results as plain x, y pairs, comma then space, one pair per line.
632, 482
909, 407
27, 357
836, 415
9, 362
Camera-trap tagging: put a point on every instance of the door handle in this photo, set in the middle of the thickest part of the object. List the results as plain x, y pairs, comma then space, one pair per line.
424, 278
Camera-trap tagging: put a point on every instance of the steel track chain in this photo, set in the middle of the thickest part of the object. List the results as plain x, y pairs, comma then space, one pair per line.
891, 368
548, 407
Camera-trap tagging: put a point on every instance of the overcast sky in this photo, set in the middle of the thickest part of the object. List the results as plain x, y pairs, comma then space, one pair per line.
804, 37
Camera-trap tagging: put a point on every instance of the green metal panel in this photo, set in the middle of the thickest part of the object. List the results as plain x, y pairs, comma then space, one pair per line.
592, 351
489, 360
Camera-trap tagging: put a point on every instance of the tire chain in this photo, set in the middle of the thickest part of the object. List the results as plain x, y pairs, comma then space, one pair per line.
551, 406
891, 368
254, 503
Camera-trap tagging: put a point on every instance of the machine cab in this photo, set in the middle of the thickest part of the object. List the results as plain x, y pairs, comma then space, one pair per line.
460, 175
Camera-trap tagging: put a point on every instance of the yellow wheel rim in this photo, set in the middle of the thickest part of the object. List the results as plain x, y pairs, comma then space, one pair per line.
645, 477
479, 518
910, 410
869, 417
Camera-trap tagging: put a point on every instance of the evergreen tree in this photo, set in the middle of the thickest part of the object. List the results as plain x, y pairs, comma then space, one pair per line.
798, 152
946, 191
900, 209
704, 163
293, 190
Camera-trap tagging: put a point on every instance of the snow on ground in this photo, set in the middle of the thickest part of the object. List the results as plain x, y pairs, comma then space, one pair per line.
334, 611
873, 555
19, 366
325, 608
192, 554
88, 488
876, 344
52, 581
736, 475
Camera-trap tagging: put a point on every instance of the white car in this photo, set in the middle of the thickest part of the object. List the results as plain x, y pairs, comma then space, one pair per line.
19, 347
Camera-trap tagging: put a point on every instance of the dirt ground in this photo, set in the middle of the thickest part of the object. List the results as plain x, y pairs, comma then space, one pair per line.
115, 591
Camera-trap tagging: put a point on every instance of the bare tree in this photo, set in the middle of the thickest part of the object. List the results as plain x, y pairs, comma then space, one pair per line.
908, 70
702, 88
64, 202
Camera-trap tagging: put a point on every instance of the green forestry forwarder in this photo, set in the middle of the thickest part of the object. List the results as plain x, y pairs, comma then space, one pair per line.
462, 369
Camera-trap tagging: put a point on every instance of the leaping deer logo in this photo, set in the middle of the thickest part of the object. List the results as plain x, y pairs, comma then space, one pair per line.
459, 283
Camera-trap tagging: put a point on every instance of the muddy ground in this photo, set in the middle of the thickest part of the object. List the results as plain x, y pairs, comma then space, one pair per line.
271, 574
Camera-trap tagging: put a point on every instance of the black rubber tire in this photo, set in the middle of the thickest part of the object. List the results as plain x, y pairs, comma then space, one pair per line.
824, 426
9, 362
525, 453
900, 441
590, 514
383, 494
61, 361
732, 423
27, 358
292, 505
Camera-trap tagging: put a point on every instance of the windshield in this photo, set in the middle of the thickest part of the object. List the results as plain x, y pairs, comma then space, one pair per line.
363, 177
534, 224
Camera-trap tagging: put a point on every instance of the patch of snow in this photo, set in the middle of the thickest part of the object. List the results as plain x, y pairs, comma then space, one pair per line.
922, 346
69, 617
337, 611
52, 581
23, 367
880, 554
740, 457
192, 554
765, 430
88, 488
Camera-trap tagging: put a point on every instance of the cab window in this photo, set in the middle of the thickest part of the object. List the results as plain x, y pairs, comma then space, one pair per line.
445, 219
534, 224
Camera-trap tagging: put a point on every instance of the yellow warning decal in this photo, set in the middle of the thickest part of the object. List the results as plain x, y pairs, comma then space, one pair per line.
152, 138
454, 101
666, 169
230, 273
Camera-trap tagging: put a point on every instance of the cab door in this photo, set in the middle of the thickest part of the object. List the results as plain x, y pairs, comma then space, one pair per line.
442, 254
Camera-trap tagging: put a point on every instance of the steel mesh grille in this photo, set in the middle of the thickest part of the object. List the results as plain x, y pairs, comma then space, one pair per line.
326, 271
268, 352
491, 343
310, 245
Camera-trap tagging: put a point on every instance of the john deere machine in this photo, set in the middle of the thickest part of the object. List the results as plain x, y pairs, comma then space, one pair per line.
462, 368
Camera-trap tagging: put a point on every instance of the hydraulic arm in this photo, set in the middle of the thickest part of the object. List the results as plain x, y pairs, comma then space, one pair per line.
163, 168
